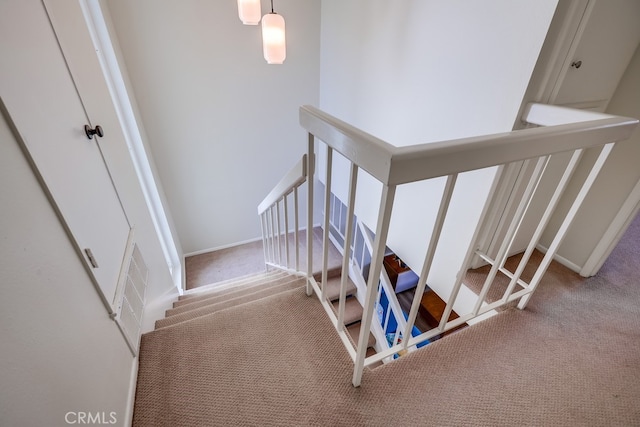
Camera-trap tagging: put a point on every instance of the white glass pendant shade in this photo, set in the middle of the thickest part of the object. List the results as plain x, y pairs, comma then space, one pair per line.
274, 44
249, 11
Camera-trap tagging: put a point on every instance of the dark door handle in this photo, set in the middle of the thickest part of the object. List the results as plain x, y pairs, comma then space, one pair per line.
95, 131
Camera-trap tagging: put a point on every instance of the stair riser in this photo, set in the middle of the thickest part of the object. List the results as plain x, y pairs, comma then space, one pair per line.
228, 286
352, 311
230, 293
220, 299
331, 273
194, 314
354, 333
332, 290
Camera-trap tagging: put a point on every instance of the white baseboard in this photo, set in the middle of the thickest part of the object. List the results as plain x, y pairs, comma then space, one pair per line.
155, 310
562, 260
183, 276
231, 245
131, 398
218, 248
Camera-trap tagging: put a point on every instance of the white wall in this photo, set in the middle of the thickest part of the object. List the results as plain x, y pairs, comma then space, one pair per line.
222, 124
60, 351
419, 71
422, 71
614, 183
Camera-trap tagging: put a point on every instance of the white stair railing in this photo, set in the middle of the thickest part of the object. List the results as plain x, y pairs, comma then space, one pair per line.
393, 308
357, 272
274, 233
561, 130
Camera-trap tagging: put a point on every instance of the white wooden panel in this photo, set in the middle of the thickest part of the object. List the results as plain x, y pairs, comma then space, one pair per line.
59, 348
41, 97
605, 43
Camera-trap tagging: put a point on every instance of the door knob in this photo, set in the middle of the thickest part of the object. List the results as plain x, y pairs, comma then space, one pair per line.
95, 131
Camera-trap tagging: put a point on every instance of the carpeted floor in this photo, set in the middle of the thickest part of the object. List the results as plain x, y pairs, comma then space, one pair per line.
475, 279
224, 264
572, 358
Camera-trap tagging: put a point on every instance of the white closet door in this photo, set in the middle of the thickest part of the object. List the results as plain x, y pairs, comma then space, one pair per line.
40, 95
606, 40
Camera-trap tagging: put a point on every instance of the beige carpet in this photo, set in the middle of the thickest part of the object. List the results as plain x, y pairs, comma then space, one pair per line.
223, 264
248, 258
475, 279
571, 358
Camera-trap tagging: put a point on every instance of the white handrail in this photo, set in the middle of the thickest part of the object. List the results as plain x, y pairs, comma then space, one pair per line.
400, 165
552, 115
275, 231
295, 177
368, 152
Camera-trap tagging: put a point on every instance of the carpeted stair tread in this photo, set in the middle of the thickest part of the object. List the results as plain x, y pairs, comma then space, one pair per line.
332, 288
352, 310
354, 332
220, 285
199, 312
229, 300
230, 285
236, 291
245, 292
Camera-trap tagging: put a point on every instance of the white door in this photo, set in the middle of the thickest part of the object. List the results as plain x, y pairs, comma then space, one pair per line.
587, 55
600, 52
43, 101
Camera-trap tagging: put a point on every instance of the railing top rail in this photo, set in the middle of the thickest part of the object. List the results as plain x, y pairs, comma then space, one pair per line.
367, 151
424, 161
296, 176
568, 129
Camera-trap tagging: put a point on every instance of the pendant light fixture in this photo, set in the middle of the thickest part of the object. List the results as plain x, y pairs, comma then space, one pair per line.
249, 11
273, 38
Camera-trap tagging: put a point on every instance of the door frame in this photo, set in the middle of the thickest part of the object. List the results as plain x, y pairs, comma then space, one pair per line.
567, 24
100, 32
613, 234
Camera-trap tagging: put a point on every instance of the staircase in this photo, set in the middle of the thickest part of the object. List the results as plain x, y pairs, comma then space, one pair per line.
226, 295
234, 294
353, 310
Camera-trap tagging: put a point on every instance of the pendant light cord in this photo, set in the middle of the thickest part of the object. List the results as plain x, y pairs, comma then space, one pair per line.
272, 7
